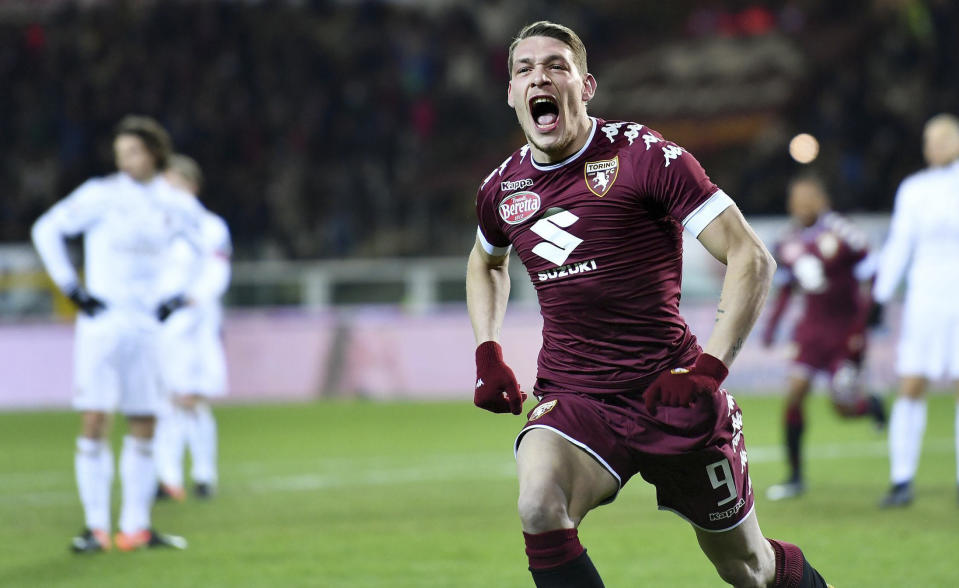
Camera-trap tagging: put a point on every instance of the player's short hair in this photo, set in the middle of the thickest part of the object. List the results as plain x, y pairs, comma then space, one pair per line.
943, 117
810, 178
187, 167
544, 28
153, 135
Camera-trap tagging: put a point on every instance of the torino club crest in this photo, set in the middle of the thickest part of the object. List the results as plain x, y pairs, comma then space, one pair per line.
601, 175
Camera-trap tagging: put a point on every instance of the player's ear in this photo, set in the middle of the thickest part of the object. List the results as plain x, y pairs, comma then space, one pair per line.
509, 94
589, 87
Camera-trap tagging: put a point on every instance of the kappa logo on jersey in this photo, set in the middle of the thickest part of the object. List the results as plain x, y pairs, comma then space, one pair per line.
542, 409
518, 207
601, 175
671, 152
509, 186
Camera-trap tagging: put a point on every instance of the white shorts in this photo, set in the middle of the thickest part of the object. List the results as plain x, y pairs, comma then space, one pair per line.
192, 356
115, 365
929, 344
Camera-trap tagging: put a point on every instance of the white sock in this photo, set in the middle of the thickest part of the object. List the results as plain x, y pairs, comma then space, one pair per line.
138, 477
93, 463
201, 435
907, 424
168, 445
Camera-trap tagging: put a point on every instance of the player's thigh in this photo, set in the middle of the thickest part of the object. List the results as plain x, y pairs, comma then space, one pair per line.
96, 381
139, 374
739, 552
923, 346
555, 474
197, 366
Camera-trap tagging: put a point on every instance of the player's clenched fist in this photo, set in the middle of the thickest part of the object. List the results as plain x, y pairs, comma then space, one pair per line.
496, 387
680, 387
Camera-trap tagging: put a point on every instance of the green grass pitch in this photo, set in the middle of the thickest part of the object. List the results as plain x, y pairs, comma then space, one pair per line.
358, 494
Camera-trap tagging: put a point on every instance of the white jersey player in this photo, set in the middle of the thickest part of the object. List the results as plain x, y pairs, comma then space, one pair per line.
129, 222
194, 365
923, 248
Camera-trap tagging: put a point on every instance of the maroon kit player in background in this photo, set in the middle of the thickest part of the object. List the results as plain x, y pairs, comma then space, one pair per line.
595, 210
823, 257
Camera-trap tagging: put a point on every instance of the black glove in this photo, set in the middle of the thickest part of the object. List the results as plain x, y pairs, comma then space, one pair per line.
874, 318
87, 303
169, 306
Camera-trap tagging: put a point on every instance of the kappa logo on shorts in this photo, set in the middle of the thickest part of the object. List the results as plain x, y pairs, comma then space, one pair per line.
728, 513
601, 175
542, 409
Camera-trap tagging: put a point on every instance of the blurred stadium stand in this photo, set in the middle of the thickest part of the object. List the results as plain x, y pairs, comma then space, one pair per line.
343, 140
332, 129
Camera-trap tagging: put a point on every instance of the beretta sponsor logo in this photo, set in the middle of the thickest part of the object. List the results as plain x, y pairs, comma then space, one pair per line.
509, 186
518, 207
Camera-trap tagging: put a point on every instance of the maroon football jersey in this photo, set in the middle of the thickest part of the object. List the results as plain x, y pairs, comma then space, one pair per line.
820, 261
600, 234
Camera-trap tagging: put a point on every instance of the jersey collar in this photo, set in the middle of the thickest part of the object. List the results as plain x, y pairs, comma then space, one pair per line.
572, 157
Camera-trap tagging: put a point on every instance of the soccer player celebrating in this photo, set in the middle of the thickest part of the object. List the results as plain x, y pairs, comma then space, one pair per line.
923, 242
194, 365
595, 209
129, 221
823, 257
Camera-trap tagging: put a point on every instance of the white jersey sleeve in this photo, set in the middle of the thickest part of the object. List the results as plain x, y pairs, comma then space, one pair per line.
185, 215
214, 272
71, 216
897, 252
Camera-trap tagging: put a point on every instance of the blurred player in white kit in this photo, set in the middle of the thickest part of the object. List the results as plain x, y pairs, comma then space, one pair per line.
129, 222
923, 247
194, 365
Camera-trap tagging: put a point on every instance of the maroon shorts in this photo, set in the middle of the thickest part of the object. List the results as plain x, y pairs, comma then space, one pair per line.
696, 456
827, 352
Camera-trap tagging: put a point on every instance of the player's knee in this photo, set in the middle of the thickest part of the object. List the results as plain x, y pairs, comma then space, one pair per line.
541, 512
95, 425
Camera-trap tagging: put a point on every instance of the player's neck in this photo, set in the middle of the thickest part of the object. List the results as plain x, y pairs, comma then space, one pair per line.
142, 180
582, 134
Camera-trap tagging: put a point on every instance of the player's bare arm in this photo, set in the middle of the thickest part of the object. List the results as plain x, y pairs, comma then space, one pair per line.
749, 273
487, 292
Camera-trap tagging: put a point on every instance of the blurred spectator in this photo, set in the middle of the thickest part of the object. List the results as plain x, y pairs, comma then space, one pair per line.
334, 129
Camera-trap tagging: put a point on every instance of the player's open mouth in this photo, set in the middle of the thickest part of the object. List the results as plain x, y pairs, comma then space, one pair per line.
545, 113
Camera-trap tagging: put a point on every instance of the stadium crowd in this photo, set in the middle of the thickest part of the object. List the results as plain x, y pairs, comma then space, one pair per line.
352, 129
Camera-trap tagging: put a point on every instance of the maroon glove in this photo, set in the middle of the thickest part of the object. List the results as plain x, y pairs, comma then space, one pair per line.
682, 386
496, 387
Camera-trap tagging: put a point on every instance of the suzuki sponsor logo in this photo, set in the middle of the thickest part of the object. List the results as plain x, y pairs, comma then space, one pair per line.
519, 207
571, 269
509, 186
